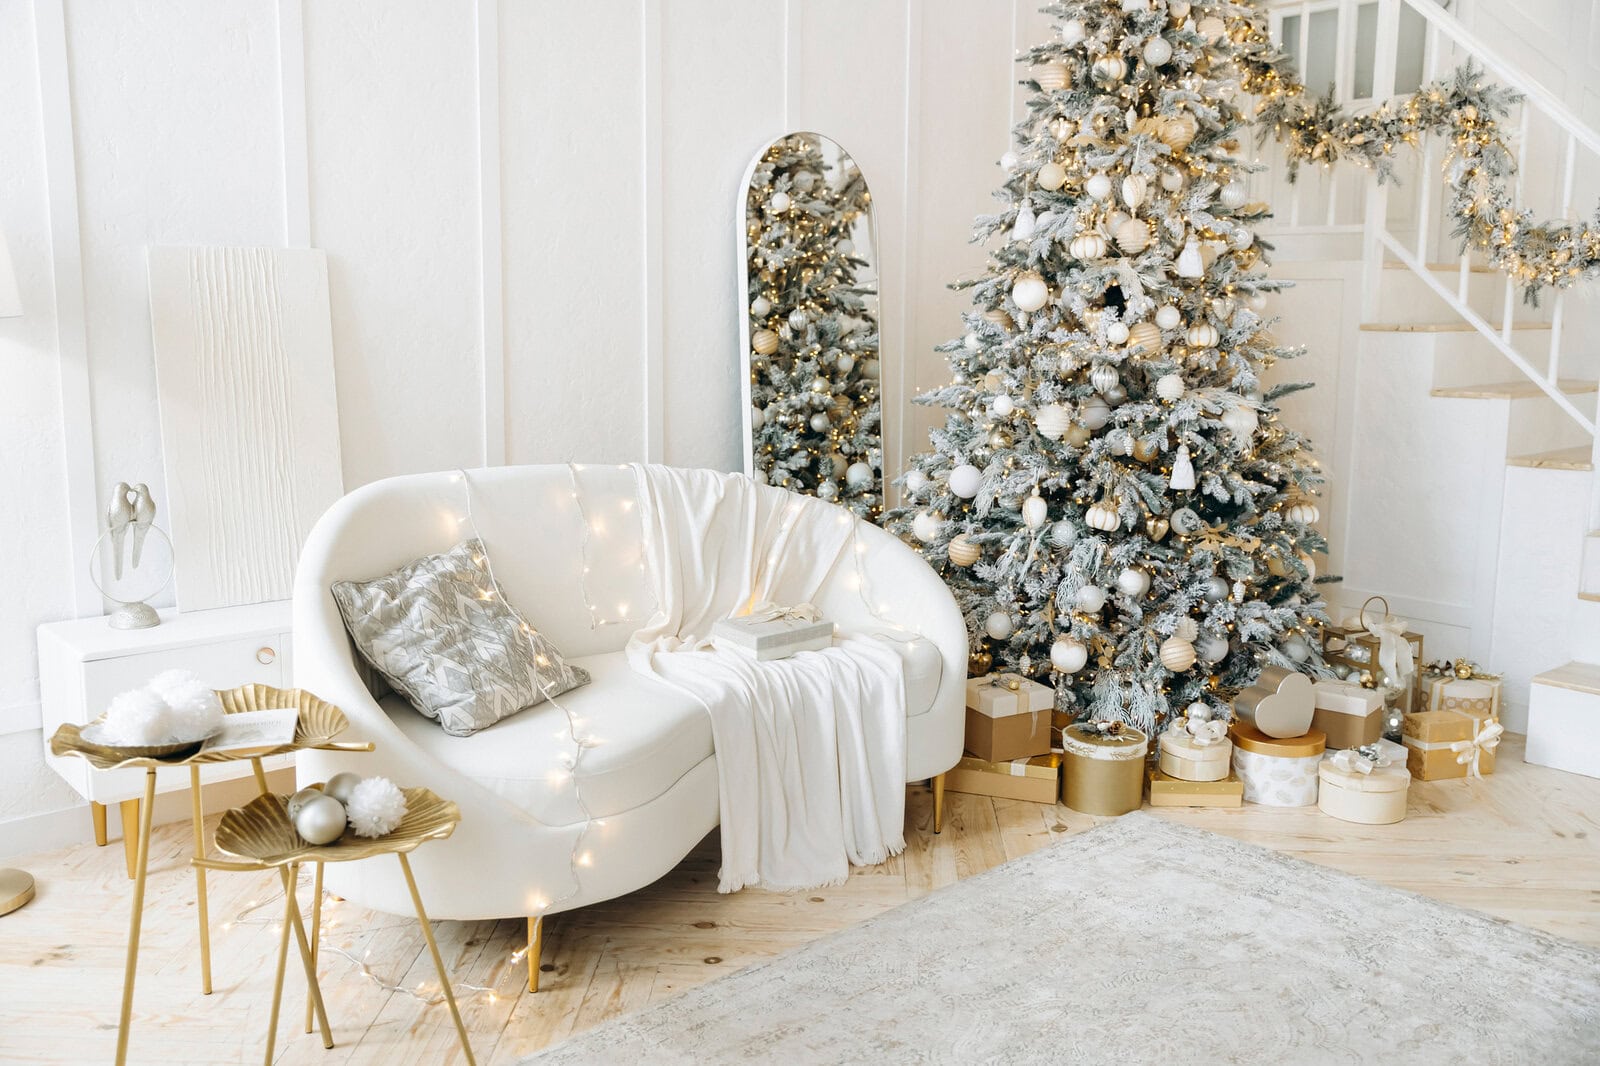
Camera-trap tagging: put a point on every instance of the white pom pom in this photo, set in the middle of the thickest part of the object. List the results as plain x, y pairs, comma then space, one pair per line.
138, 718
196, 711
376, 807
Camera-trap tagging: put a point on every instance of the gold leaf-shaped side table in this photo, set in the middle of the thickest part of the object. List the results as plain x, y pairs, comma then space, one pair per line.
319, 722
262, 837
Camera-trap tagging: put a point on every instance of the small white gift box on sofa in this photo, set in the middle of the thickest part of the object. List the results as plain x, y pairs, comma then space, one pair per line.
772, 632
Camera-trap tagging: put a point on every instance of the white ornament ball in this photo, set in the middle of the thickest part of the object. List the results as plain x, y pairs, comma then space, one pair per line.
758, 417
1095, 413
1063, 534
1241, 239
925, 526
1035, 512
1073, 32
1168, 316
1052, 421
1117, 333
1296, 649
1211, 648
1202, 335
300, 799
1133, 582
1171, 179
858, 474
826, 490
1029, 292
1133, 236
1051, 176
971, 342
1216, 589
1157, 51
1198, 711
1177, 654
916, 481
845, 247
965, 480
846, 363
998, 625
780, 202
869, 368
1233, 194
761, 307
1170, 387
1088, 246
1112, 68
1003, 406
1212, 28
1102, 516
340, 786
1051, 76
320, 820
820, 422
1104, 377
1090, 599
376, 807
963, 550
764, 341
1098, 186
1069, 655
1241, 421
1009, 161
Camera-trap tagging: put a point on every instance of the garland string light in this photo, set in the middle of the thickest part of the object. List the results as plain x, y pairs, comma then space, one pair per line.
1479, 166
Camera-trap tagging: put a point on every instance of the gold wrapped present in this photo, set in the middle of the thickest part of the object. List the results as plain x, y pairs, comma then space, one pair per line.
1103, 767
1167, 791
1461, 686
1446, 744
1008, 717
1020, 779
1347, 714
1379, 652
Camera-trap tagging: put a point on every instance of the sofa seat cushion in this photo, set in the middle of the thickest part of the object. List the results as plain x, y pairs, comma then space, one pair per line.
649, 734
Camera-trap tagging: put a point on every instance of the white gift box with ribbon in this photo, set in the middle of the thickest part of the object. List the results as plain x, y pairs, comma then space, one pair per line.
772, 632
1365, 785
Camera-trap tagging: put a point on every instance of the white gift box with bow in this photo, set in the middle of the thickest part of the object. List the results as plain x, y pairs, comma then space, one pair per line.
770, 631
1364, 785
1196, 751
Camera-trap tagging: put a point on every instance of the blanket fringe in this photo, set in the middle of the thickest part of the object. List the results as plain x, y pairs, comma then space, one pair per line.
727, 884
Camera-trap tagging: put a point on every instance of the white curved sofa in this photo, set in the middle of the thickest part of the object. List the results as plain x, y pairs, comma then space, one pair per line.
653, 781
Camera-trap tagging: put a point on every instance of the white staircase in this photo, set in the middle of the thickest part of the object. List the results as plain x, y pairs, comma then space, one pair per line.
1473, 503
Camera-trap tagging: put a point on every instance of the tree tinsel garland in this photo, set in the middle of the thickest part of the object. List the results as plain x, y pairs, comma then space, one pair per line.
1465, 110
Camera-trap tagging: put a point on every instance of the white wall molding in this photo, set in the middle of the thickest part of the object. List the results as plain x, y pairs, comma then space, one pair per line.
72, 340
292, 100
898, 443
655, 430
19, 717
491, 266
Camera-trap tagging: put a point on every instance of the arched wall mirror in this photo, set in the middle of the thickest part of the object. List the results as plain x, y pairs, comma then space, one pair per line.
813, 414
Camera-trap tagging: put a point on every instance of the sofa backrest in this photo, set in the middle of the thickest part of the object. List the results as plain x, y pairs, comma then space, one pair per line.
541, 536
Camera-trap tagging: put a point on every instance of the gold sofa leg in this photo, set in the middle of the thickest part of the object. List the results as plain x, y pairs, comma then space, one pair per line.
938, 804
535, 946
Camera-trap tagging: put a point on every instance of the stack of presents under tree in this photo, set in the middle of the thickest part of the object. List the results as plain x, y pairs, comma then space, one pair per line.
1349, 745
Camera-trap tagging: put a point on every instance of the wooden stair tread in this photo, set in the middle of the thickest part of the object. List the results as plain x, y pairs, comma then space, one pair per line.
1511, 390
1441, 327
1579, 457
1442, 268
1580, 677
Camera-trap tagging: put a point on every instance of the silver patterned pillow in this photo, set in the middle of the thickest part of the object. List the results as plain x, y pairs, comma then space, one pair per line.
462, 658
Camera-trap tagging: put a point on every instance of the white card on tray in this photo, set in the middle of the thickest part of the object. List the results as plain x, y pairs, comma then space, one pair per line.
255, 730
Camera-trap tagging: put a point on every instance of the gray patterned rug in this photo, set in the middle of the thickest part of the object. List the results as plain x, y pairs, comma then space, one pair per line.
1141, 941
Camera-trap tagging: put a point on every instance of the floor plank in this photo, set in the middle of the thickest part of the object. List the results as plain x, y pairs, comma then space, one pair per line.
1523, 844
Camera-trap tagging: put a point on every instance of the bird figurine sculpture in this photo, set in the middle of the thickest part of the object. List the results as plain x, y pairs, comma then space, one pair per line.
144, 514
120, 515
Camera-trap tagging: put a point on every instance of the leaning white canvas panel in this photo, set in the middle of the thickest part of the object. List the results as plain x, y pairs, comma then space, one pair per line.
249, 418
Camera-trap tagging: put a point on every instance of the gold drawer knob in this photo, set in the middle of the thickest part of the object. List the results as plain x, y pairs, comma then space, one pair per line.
266, 656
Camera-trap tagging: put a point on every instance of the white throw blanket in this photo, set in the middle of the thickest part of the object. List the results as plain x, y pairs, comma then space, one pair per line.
811, 750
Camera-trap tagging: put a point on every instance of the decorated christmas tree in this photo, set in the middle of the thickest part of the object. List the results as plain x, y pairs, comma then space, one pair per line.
1112, 497
814, 332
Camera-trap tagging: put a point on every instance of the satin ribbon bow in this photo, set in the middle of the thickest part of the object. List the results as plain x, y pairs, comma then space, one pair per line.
1359, 760
1394, 651
772, 612
1469, 752
1205, 733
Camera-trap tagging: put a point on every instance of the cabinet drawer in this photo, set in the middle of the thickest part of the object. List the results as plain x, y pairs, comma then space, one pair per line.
224, 664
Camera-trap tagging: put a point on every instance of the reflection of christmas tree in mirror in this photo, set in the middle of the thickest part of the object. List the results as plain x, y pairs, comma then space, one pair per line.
816, 423
1112, 498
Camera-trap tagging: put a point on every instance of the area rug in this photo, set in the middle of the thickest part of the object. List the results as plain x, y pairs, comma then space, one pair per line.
1141, 941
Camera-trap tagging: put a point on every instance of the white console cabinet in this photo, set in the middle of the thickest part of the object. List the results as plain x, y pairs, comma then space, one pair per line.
84, 663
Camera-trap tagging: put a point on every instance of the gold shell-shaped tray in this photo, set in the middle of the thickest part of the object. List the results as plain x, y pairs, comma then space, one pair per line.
319, 722
260, 832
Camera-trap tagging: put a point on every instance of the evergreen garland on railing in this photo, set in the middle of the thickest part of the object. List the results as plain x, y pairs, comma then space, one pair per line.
1478, 168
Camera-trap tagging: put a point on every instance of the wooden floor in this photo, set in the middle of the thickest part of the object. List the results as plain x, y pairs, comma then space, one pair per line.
1523, 844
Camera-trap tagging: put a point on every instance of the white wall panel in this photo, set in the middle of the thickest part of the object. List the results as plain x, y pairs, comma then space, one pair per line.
571, 143
391, 102
722, 100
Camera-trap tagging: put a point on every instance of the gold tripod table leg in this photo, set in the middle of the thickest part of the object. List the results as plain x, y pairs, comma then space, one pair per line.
141, 864
535, 950
438, 963
291, 884
938, 804
199, 814
290, 907
316, 939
